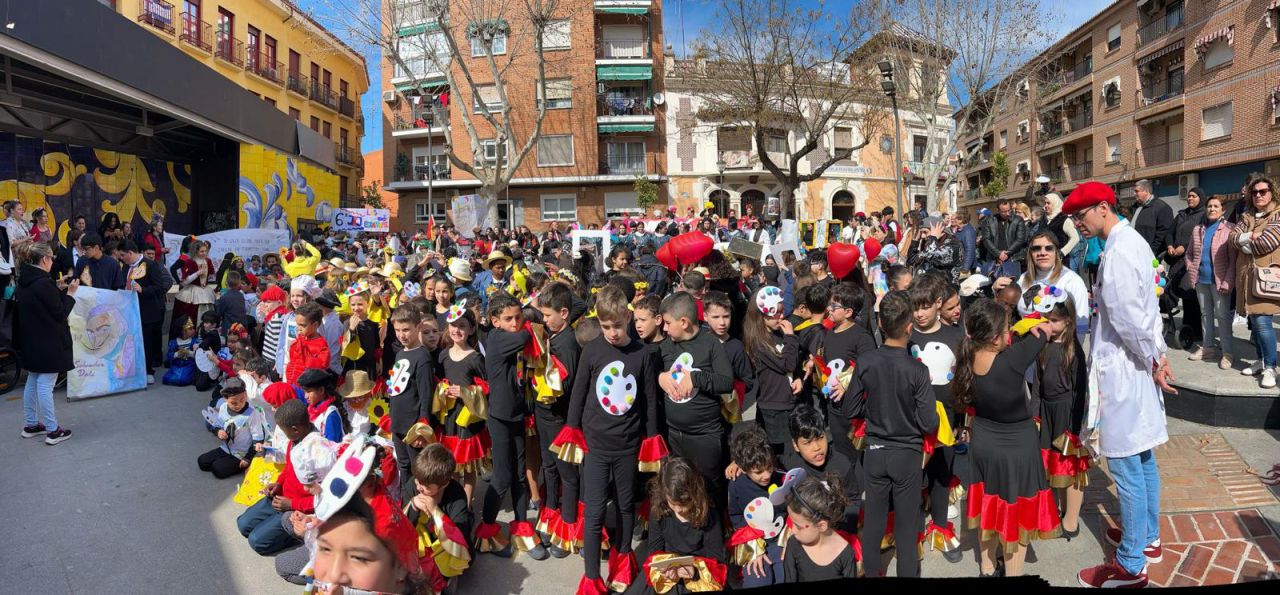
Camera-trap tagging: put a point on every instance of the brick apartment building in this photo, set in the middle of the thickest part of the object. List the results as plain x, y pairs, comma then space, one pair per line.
1181, 93
602, 129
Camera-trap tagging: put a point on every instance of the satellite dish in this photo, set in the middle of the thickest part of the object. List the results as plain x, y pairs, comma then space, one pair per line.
659, 99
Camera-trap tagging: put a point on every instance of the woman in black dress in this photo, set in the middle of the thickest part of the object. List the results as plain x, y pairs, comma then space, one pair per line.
1009, 499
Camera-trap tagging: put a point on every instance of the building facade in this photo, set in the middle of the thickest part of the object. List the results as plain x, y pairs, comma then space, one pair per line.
274, 50
603, 125
1184, 94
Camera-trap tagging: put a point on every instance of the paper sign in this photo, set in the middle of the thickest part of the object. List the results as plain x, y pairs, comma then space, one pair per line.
106, 344
362, 220
243, 242
747, 248
469, 212
779, 248
578, 235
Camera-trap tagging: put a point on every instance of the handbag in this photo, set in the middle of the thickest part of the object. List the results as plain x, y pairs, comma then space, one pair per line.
1265, 284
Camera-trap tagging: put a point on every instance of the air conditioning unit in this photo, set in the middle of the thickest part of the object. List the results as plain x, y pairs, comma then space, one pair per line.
1024, 88
1186, 182
389, 96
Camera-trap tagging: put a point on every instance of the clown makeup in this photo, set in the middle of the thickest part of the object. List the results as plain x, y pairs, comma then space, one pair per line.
349, 555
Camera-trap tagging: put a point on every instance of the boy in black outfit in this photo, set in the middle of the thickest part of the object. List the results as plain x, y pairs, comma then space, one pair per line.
718, 311
900, 412
811, 451
810, 333
410, 388
560, 479
842, 346
507, 410
937, 345
697, 372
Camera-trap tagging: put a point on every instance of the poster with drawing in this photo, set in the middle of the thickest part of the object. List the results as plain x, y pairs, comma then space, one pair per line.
106, 344
469, 212
596, 242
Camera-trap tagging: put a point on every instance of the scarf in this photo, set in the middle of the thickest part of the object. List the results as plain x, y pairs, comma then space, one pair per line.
316, 410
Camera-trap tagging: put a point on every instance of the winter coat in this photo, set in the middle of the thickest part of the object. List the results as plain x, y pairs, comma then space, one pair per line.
41, 334
1223, 256
1263, 244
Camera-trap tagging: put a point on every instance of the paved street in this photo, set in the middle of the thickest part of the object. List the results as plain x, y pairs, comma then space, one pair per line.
121, 507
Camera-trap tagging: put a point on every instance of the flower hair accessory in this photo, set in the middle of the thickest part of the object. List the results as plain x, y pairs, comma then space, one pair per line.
456, 311
769, 301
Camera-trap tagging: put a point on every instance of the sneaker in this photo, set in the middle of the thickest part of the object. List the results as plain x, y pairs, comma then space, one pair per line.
57, 436
151, 379
558, 552
953, 556
1225, 362
1252, 370
953, 511
1153, 552
1199, 354
1111, 576
539, 553
1268, 378
33, 431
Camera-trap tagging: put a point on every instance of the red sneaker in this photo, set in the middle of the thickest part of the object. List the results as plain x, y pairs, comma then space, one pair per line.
1111, 576
1154, 552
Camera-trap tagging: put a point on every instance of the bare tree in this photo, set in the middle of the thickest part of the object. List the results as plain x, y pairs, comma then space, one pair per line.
958, 50
775, 67
478, 48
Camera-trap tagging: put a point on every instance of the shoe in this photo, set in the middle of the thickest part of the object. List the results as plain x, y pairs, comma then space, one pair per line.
1069, 535
953, 556
557, 552
1268, 378
57, 436
539, 553
1111, 576
960, 449
1199, 354
1225, 362
535, 505
1153, 552
1253, 370
953, 511
33, 431
151, 379
503, 553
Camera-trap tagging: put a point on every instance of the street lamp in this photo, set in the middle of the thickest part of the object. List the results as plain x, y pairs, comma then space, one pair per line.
720, 165
891, 91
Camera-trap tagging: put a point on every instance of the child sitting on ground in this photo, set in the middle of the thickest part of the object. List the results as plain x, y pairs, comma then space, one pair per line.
439, 511
262, 522
240, 427
180, 362
685, 525
756, 554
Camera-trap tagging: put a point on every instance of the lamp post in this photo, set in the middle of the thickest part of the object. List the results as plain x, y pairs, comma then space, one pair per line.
720, 165
891, 91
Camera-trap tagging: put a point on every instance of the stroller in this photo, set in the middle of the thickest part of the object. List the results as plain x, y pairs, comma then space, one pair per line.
10, 367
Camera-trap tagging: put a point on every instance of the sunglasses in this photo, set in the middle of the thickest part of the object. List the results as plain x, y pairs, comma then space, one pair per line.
1261, 191
1045, 248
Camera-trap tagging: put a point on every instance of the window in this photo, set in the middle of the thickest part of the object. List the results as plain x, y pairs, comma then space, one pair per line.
1111, 93
556, 35
1113, 148
559, 93
342, 137
1113, 37
559, 207
498, 45
343, 89
625, 157
555, 150
625, 41
315, 123
1217, 121
269, 100
295, 65
919, 147
844, 144
327, 129
425, 210
328, 81
775, 141
295, 113
252, 47
492, 152
433, 165
487, 99
1220, 52
226, 32
621, 204
269, 52
422, 53
1004, 138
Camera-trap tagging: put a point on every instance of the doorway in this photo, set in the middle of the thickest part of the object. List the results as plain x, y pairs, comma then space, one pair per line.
843, 206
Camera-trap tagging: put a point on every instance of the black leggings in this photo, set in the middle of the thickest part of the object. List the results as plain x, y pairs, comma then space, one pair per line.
599, 472
559, 479
508, 471
937, 478
707, 453
893, 477
405, 455
220, 463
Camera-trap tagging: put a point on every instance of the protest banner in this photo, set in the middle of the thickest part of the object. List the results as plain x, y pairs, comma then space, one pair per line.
469, 212
106, 344
243, 242
362, 220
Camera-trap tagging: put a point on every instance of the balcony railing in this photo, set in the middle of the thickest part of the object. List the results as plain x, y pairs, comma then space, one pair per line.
1080, 120
345, 154
1078, 72
230, 49
324, 95
346, 107
1160, 154
1052, 130
622, 48
262, 65
1170, 21
158, 14
196, 33
623, 106
433, 171
1080, 171
626, 164
298, 83
916, 168
972, 194
1162, 91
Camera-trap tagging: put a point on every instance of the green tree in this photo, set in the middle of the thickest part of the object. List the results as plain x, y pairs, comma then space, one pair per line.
373, 195
999, 175
646, 193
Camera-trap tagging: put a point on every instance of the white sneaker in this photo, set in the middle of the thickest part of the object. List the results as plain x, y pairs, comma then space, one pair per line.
1199, 354
1252, 370
953, 511
1268, 378
151, 379
1225, 362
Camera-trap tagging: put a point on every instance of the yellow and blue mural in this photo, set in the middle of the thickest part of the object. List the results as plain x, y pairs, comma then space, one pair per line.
70, 180
276, 190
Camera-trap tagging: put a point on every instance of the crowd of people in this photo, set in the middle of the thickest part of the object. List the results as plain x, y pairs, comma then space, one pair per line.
392, 393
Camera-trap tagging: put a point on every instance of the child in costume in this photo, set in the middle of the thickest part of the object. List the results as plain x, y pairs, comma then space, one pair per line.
440, 512
815, 506
240, 427
179, 362
685, 524
754, 542
461, 399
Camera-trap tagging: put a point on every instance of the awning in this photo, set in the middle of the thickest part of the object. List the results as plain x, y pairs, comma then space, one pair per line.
606, 128
416, 29
1173, 47
623, 9
1228, 32
627, 72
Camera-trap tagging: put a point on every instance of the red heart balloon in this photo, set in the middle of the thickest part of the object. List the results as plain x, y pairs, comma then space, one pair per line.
872, 247
842, 259
667, 258
689, 248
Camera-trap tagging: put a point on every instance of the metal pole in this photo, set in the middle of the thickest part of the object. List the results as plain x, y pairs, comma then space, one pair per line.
897, 155
431, 165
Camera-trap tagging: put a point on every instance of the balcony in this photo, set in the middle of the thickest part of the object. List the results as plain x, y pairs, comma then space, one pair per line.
158, 14
916, 168
624, 106
416, 128
230, 49
1157, 28
628, 164
323, 95
298, 83
622, 49
432, 171
1080, 120
1080, 171
420, 70
1163, 91
196, 33
1160, 154
1079, 71
345, 155
972, 194
978, 159
346, 107
262, 65
1051, 130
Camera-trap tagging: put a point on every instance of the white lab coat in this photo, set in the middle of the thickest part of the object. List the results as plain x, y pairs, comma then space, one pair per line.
1127, 339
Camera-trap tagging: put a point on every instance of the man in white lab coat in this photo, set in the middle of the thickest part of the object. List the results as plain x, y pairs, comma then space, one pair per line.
1127, 371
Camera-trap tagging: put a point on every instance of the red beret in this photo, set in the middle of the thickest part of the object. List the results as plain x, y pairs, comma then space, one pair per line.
1088, 194
273, 294
277, 393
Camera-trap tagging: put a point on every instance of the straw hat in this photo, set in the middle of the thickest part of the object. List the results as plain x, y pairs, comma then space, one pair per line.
357, 385
460, 269
390, 269
497, 255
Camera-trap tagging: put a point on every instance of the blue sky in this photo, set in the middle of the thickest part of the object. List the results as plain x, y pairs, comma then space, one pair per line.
683, 21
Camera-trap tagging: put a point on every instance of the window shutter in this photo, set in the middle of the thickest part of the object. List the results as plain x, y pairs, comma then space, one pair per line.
555, 150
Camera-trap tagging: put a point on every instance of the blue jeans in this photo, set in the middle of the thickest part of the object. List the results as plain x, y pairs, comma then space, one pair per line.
1138, 487
37, 399
1263, 336
264, 526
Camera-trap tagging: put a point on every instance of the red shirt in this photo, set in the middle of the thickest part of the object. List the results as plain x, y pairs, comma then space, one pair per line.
302, 500
304, 354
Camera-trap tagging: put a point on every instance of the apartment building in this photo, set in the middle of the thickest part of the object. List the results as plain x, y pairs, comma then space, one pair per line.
1182, 93
277, 52
603, 124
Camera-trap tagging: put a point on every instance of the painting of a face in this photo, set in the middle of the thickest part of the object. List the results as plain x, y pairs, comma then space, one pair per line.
102, 330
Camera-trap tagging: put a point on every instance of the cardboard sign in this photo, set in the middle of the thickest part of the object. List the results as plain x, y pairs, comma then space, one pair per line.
747, 248
362, 220
778, 249
606, 245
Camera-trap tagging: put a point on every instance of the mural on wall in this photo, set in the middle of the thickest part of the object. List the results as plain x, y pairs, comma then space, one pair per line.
276, 190
70, 180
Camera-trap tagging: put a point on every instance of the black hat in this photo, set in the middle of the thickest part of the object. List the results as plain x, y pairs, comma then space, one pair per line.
232, 386
328, 299
317, 378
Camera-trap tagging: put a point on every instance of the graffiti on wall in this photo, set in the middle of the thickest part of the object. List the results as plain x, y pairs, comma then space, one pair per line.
70, 180
277, 190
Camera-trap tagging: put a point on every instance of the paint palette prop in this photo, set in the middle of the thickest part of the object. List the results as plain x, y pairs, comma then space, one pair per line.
769, 301
683, 365
778, 495
399, 379
1042, 298
834, 368
759, 515
210, 416
345, 478
412, 290
357, 288
615, 392
456, 311
1161, 279
940, 360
